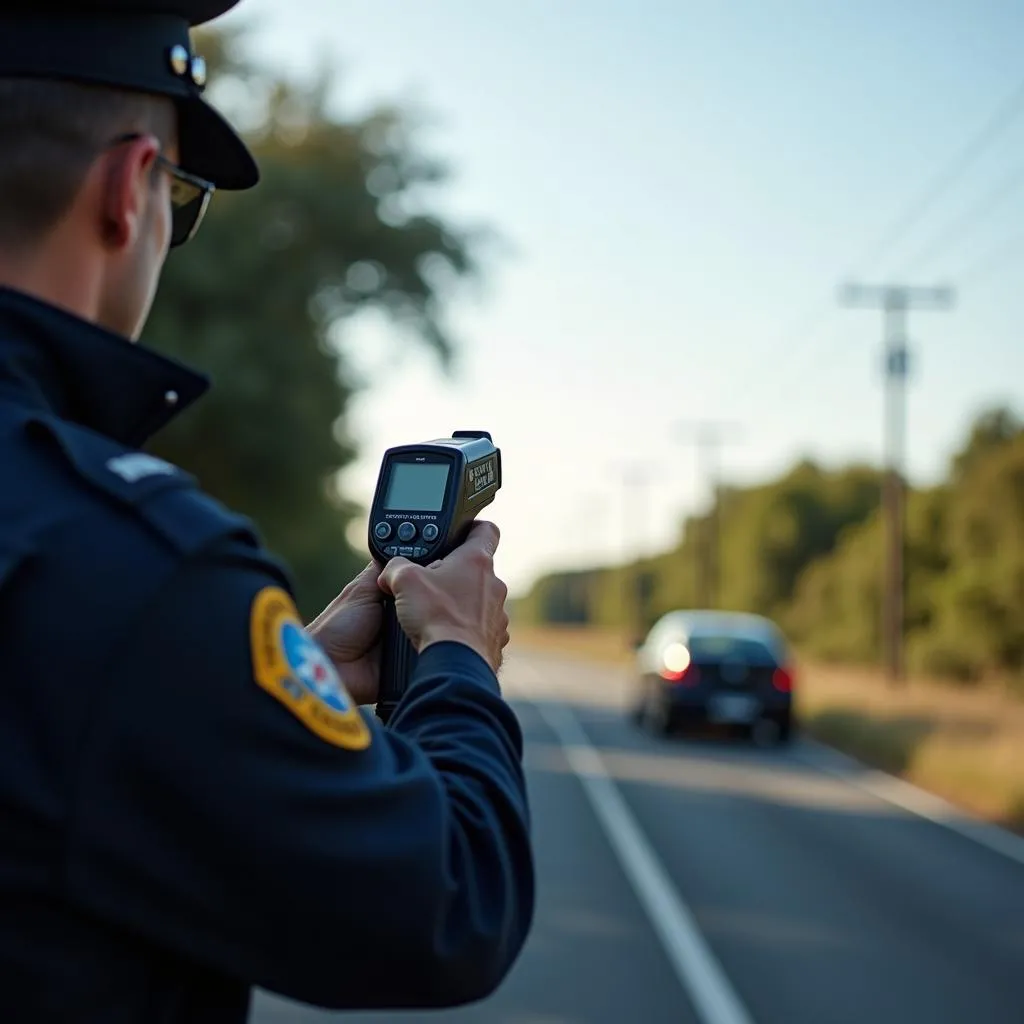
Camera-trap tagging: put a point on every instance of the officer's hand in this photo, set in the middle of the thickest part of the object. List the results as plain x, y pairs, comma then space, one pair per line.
458, 598
348, 630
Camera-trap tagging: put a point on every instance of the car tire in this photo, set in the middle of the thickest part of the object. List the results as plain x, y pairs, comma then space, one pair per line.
656, 717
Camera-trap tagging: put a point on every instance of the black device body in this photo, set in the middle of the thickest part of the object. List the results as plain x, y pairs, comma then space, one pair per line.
426, 499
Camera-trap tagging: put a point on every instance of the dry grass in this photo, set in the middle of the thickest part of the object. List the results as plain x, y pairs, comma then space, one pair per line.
603, 645
965, 745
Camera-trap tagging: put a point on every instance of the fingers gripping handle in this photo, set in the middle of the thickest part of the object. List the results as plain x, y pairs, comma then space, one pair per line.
397, 663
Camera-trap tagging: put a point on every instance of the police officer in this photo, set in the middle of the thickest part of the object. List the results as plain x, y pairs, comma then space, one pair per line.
192, 803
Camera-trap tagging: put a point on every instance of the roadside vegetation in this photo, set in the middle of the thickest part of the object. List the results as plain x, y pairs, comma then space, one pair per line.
966, 745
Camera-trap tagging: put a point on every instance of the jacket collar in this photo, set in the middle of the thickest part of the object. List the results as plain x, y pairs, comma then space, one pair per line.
83, 373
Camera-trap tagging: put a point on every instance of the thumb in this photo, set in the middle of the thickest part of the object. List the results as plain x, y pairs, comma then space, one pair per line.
369, 574
394, 568
485, 536
364, 585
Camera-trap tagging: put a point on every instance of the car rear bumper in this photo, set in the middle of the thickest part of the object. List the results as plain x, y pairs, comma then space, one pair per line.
727, 706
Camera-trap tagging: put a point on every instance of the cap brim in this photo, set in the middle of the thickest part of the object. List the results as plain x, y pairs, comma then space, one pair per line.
212, 149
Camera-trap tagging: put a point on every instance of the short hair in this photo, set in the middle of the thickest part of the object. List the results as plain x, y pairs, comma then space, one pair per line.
50, 133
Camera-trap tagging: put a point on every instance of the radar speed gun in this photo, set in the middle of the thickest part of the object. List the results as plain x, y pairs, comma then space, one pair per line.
425, 502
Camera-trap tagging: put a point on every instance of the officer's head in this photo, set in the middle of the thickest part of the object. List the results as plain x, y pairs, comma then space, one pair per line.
108, 153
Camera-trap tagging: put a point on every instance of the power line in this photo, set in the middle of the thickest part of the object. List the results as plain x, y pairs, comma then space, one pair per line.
1000, 257
807, 331
988, 202
1001, 118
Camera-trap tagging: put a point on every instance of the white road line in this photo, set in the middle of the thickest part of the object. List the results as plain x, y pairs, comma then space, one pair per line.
900, 793
695, 965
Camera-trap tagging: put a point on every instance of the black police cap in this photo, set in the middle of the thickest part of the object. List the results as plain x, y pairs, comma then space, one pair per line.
135, 45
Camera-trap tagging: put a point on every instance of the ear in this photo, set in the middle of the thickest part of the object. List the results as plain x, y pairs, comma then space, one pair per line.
126, 190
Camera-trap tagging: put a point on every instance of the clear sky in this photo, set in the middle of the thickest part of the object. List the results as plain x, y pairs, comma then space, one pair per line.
682, 186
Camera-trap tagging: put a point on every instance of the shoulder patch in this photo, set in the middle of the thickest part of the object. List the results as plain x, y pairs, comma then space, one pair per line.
292, 667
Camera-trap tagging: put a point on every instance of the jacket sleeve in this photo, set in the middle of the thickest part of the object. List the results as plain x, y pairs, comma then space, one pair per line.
233, 806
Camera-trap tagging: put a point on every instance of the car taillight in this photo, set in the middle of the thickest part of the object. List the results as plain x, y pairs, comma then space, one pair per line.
782, 680
688, 676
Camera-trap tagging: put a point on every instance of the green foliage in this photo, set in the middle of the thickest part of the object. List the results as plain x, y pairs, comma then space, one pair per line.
981, 612
835, 611
776, 530
807, 549
335, 226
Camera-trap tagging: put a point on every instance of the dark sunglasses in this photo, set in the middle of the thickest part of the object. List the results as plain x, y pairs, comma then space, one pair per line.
190, 196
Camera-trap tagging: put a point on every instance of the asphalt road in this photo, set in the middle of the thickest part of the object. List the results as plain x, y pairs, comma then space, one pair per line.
706, 881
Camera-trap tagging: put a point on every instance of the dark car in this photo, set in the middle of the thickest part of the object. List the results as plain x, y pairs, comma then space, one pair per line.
719, 668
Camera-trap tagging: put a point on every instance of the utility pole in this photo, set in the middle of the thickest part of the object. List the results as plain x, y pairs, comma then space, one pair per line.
707, 437
895, 301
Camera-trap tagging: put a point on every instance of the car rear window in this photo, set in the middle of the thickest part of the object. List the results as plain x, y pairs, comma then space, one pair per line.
731, 648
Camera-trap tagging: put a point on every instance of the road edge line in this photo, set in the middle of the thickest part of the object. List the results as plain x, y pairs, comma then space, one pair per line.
911, 798
700, 974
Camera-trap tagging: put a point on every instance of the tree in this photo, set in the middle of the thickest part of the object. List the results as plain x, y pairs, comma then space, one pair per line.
836, 610
980, 616
989, 432
337, 225
772, 532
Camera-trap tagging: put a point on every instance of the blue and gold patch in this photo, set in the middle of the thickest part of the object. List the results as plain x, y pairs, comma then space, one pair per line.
292, 667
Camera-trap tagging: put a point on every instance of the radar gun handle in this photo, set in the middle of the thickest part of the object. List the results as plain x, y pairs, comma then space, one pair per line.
397, 662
